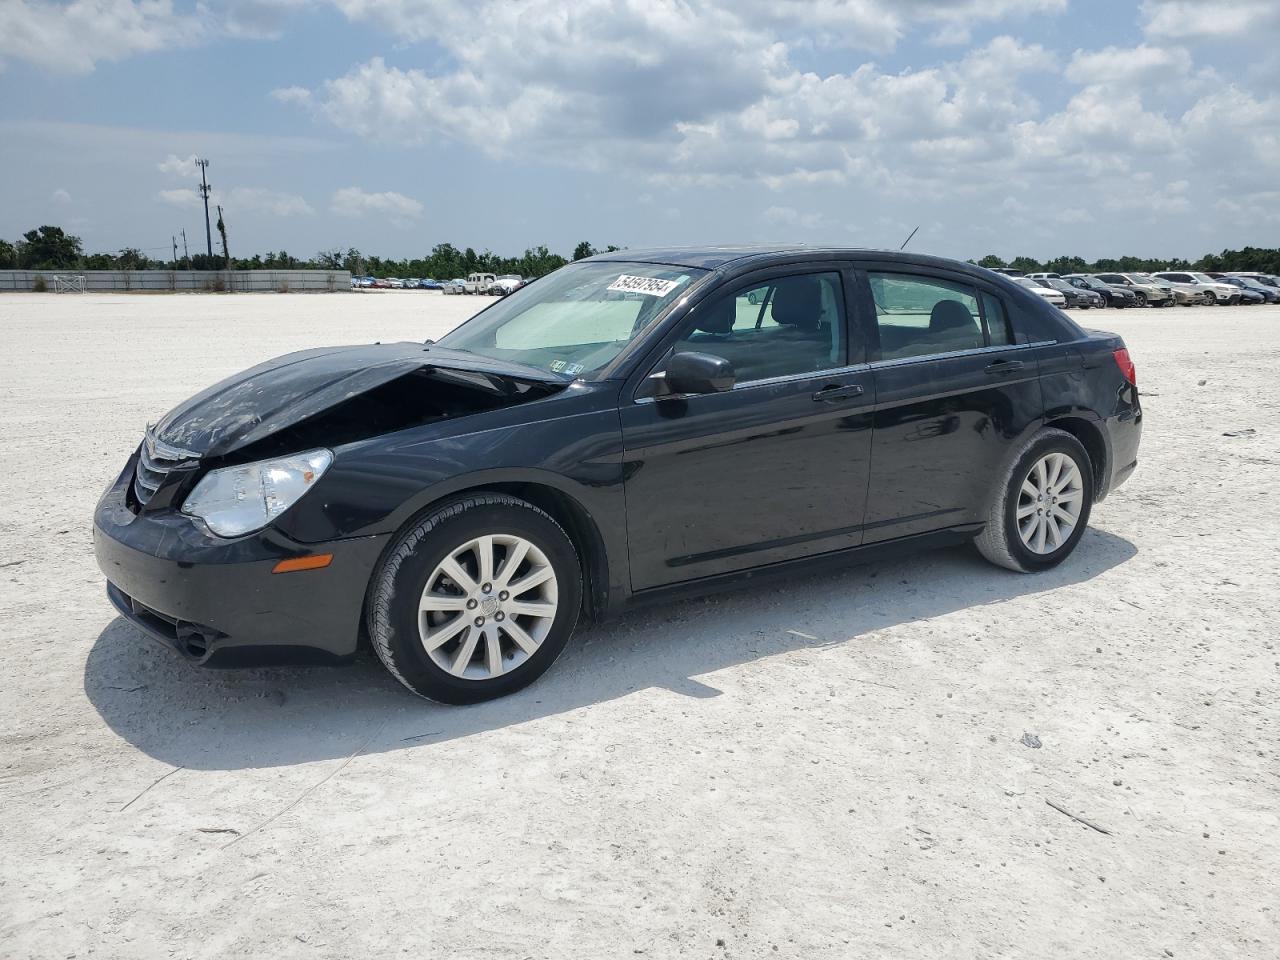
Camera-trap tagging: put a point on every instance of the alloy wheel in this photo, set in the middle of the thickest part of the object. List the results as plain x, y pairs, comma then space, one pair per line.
488, 606
1049, 503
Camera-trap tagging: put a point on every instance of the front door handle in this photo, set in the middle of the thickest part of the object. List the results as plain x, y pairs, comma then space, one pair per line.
838, 391
1004, 366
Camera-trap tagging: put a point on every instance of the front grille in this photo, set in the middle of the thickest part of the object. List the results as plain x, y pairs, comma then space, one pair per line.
155, 460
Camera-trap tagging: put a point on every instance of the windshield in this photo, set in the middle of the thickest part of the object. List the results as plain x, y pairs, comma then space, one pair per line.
1203, 278
574, 321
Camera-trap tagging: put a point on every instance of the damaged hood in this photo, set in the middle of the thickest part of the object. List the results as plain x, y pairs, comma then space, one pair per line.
273, 396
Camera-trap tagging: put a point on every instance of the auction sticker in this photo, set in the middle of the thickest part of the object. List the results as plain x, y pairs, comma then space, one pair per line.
649, 286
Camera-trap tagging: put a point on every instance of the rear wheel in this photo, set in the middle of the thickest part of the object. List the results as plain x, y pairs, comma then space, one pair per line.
1041, 507
476, 600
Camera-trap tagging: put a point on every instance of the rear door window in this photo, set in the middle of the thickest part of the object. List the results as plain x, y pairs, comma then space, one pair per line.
919, 316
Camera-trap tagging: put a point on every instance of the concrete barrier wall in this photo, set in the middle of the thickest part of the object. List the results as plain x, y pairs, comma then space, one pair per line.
236, 281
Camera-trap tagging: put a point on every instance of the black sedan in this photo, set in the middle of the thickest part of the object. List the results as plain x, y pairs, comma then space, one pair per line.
1112, 294
633, 426
1081, 297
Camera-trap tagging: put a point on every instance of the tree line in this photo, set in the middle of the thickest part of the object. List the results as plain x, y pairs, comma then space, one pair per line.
51, 248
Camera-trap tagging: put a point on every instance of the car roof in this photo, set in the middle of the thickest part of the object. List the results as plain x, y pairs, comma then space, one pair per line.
713, 257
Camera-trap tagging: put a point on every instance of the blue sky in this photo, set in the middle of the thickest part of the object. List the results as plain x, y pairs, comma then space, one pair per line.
1008, 126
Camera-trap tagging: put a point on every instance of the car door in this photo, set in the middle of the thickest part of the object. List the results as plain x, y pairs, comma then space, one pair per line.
954, 391
774, 468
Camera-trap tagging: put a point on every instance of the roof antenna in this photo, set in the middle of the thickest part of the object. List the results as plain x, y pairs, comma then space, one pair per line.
908, 240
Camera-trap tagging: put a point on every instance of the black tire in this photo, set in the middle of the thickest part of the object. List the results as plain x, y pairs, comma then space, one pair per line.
1141, 299
397, 585
1210, 298
999, 541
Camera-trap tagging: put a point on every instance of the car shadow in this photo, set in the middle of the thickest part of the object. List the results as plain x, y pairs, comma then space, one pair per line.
236, 719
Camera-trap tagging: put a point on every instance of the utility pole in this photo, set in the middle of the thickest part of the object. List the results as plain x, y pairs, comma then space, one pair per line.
204, 193
222, 229
175, 251
186, 255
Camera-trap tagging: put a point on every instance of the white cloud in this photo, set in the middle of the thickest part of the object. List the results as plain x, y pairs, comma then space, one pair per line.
254, 200
791, 217
258, 19
294, 95
395, 207
1200, 20
60, 196
259, 200
74, 37
176, 166
1129, 67
179, 198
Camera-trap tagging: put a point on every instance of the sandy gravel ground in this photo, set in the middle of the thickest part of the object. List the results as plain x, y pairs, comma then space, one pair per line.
835, 768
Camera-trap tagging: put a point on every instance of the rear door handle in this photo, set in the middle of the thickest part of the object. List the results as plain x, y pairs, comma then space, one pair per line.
838, 391
1004, 366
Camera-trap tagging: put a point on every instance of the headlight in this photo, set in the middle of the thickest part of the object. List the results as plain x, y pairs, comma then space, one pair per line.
238, 500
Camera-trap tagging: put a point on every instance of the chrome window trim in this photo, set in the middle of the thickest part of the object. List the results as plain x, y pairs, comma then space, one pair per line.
975, 351
765, 382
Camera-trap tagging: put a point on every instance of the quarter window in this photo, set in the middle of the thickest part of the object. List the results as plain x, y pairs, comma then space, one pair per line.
782, 327
996, 320
919, 316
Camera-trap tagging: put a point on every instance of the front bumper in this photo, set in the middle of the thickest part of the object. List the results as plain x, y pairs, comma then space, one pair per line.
216, 601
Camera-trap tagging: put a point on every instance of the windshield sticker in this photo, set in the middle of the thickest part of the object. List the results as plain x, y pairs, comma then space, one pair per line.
649, 286
564, 366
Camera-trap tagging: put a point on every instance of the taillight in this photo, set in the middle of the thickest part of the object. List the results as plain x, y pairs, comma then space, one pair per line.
1126, 365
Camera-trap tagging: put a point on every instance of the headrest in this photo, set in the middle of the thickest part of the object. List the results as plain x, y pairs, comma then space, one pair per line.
950, 315
797, 302
717, 317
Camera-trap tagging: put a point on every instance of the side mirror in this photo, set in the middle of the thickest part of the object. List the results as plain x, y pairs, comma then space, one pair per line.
689, 372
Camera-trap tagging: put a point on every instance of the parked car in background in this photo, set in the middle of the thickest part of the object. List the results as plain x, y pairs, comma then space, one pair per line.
1008, 271
1265, 279
1252, 295
429, 284
1081, 297
1053, 296
1045, 276
1114, 296
1213, 290
477, 283
1146, 291
381, 283
568, 454
506, 284
453, 287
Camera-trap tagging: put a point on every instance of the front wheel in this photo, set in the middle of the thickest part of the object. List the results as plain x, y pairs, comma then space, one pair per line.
1210, 298
1041, 507
476, 600
1141, 299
